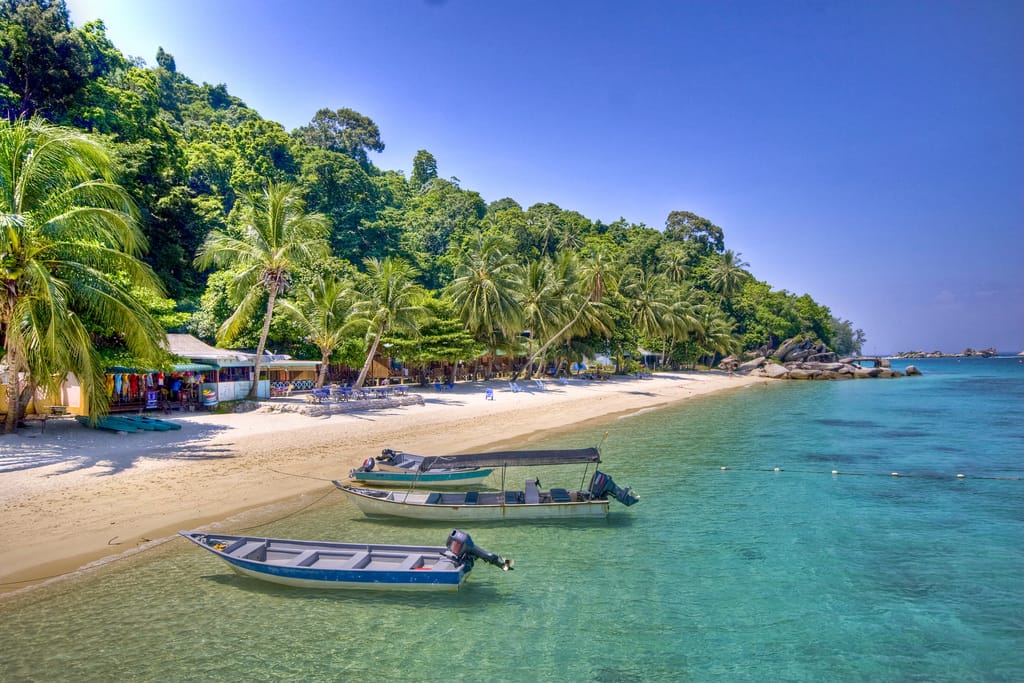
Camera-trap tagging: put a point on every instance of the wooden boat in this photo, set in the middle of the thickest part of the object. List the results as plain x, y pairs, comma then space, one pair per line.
529, 504
396, 468
367, 566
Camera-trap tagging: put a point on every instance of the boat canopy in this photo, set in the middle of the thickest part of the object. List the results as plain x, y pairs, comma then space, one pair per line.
569, 456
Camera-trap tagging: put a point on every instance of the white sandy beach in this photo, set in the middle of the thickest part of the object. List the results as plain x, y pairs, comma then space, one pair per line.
70, 496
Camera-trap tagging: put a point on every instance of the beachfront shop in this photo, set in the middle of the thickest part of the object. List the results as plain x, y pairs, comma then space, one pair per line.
185, 387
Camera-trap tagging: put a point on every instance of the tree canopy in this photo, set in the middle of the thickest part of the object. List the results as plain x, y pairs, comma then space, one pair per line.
195, 160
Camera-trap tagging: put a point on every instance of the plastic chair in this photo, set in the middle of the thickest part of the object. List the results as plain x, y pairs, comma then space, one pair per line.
489, 395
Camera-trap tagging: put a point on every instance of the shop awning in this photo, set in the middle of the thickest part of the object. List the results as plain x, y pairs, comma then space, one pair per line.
193, 367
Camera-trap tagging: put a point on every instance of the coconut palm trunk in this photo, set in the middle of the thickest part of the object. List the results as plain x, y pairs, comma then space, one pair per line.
262, 345
13, 386
568, 326
369, 358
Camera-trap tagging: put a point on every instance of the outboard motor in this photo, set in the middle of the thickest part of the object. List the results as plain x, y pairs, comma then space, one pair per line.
387, 455
461, 549
601, 486
367, 466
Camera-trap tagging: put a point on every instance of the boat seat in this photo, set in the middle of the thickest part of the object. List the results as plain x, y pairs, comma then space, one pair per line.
248, 549
234, 545
532, 494
434, 498
358, 561
305, 559
410, 562
472, 497
560, 496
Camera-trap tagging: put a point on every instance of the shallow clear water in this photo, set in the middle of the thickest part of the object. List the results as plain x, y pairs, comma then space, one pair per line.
745, 573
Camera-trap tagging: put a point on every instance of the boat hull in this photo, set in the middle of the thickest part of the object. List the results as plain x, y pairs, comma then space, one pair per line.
431, 479
328, 565
387, 581
414, 506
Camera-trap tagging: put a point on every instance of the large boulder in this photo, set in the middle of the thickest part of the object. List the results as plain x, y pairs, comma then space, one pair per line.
749, 366
912, 370
774, 371
787, 347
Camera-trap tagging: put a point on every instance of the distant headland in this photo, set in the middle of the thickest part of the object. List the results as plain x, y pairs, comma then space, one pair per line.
966, 353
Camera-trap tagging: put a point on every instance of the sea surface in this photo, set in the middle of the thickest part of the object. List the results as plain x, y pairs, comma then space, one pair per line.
749, 573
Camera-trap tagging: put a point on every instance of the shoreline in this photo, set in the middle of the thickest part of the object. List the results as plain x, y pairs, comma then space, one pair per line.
72, 498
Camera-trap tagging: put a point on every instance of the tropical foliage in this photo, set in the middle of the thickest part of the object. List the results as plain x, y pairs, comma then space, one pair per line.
242, 217
68, 247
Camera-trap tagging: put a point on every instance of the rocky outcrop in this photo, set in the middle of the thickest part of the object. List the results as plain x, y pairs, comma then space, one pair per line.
803, 349
801, 358
832, 371
335, 408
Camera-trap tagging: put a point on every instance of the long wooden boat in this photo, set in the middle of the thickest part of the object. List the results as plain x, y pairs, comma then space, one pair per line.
397, 468
367, 566
529, 504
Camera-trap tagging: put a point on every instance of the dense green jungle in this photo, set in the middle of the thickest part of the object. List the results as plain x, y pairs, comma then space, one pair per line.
262, 238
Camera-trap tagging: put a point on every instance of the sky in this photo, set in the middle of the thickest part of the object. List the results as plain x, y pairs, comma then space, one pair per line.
869, 153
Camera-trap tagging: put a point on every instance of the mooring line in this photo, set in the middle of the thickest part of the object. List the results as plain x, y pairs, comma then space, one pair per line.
891, 475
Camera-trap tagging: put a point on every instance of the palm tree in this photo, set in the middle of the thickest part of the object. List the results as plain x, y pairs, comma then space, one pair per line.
546, 226
675, 263
717, 335
650, 309
541, 301
277, 235
585, 282
321, 309
728, 275
685, 319
389, 299
65, 231
484, 291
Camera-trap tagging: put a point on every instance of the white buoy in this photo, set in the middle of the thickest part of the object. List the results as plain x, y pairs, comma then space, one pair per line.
725, 468
959, 476
895, 474
778, 469
835, 471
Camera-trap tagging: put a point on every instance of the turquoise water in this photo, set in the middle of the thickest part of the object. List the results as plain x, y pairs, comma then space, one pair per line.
739, 574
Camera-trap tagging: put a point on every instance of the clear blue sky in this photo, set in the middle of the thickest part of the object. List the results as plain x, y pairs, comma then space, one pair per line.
870, 154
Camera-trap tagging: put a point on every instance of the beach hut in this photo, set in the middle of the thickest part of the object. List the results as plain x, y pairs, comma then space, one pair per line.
232, 371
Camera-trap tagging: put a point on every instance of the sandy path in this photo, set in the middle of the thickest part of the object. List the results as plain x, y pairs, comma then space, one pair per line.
70, 495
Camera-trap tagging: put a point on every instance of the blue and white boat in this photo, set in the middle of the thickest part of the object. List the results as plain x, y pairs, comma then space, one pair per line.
399, 469
366, 566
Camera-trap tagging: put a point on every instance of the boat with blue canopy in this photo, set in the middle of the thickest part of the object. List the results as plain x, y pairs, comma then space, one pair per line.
530, 503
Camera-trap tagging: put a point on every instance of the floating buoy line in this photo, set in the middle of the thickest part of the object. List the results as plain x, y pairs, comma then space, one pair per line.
891, 475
